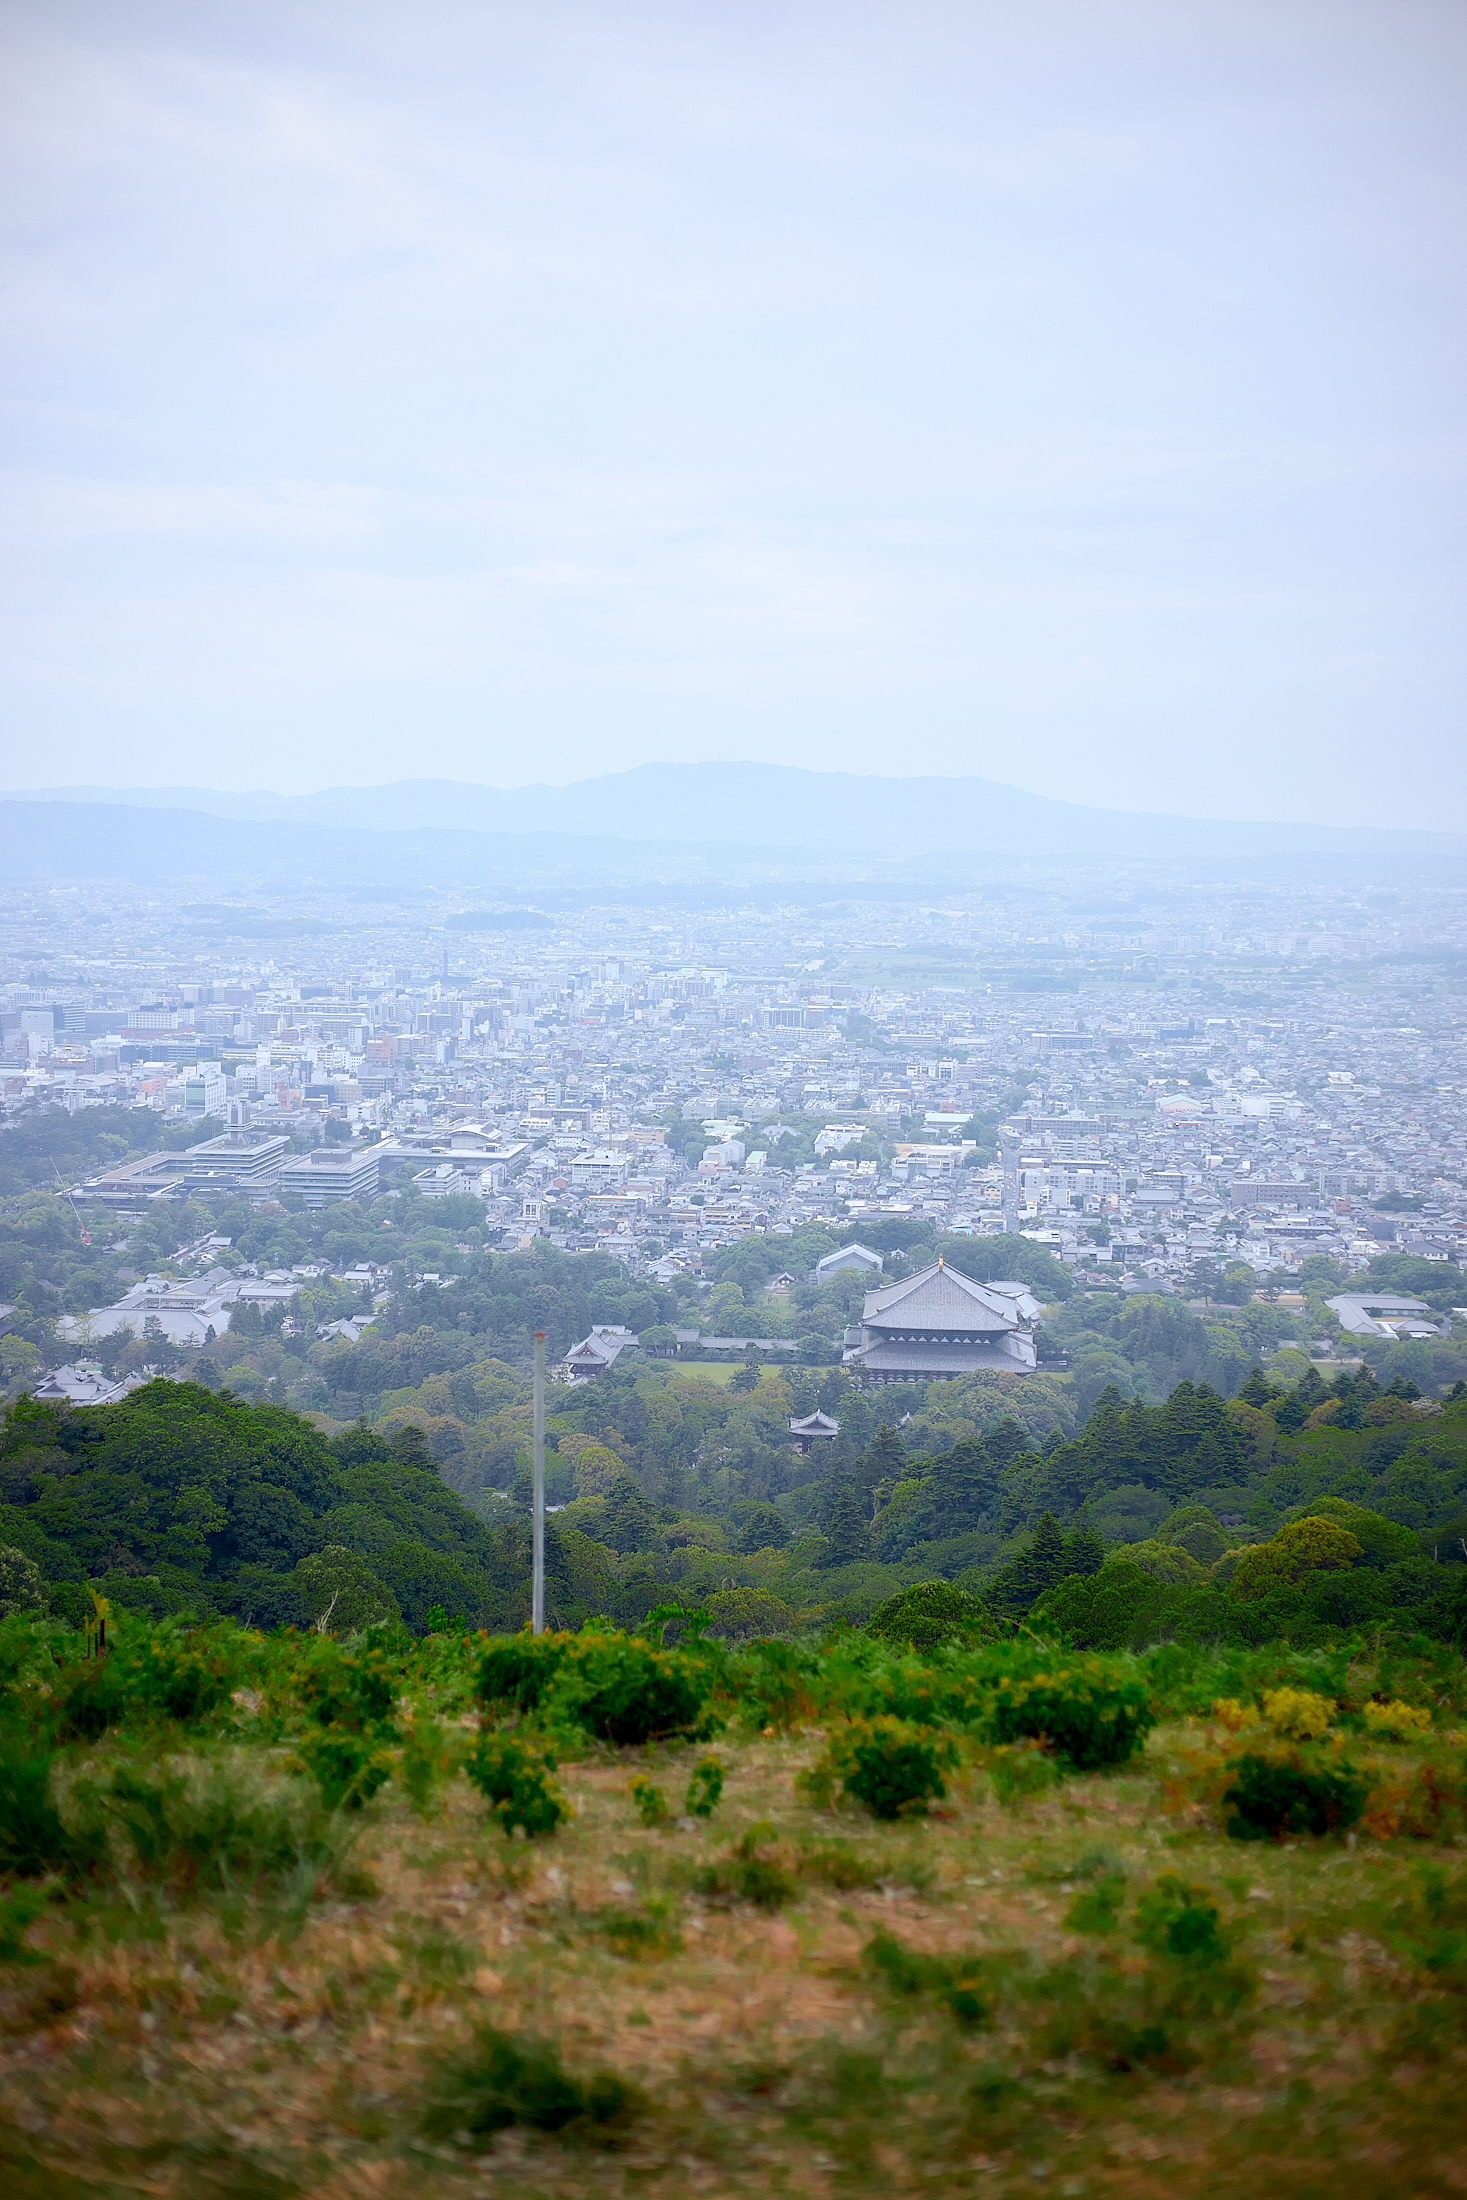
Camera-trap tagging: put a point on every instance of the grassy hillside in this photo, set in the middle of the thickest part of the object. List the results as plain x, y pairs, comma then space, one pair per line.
260, 1934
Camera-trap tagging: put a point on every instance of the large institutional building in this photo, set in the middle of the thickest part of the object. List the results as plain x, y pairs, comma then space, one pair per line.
940, 1324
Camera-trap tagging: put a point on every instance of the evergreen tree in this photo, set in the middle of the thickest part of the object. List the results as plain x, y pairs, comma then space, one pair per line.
1084, 1551
848, 1536
1004, 1443
964, 1489
1039, 1566
885, 1460
1258, 1390
628, 1524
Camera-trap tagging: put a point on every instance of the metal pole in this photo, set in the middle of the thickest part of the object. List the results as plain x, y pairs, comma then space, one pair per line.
537, 1509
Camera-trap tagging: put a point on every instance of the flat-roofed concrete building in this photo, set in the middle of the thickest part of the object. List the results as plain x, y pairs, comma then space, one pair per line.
332, 1173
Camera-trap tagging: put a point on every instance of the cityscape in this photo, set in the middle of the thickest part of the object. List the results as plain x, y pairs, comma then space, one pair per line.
1169, 1087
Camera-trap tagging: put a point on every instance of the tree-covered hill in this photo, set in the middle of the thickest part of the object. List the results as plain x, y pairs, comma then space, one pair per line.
182, 1500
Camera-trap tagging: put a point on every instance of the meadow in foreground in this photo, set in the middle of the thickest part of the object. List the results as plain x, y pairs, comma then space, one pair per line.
844, 1921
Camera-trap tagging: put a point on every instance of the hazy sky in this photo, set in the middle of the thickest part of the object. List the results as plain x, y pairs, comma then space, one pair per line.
1066, 394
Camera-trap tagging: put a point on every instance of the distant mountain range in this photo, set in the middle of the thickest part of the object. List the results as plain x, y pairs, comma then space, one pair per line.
766, 808
663, 823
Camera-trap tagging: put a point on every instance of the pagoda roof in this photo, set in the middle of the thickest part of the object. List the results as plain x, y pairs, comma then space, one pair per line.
939, 1298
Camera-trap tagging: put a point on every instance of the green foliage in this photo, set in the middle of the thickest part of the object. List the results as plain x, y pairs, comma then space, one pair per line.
893, 1768
1020, 1770
1299, 1551
747, 1874
427, 1761
614, 1686
705, 1788
650, 1802
347, 1766
1273, 1796
341, 1592
1097, 1908
1091, 1714
931, 1613
1180, 1921
1096, 1611
213, 1829
958, 1984
505, 2078
21, 1589
515, 1781
34, 1838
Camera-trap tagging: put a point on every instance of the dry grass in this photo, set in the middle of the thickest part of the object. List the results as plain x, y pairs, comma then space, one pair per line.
193, 2055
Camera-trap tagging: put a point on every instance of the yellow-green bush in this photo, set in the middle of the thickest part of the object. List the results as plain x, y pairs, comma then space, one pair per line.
1298, 1712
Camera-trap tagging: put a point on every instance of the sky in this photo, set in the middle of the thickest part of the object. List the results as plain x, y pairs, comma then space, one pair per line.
1065, 394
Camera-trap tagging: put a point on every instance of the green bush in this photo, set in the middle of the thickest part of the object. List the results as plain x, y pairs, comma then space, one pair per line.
650, 1803
931, 1613
1272, 1796
91, 1697
34, 1838
895, 1770
355, 1690
704, 1788
1021, 1769
516, 1670
1089, 1714
745, 1875
213, 1829
956, 1982
346, 1765
617, 1687
515, 1782
505, 2078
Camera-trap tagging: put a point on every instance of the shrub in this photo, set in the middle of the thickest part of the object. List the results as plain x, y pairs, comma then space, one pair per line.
347, 1766
516, 1670
1097, 1909
956, 1982
651, 1803
1181, 1921
704, 1788
931, 1613
1298, 1712
1398, 1721
90, 1698
649, 1931
429, 1758
1090, 1714
1430, 1806
1020, 1769
890, 1766
617, 1687
515, 1782
1274, 1796
777, 1685
212, 1829
355, 1690
34, 1838
505, 2078
624, 1691
745, 1875
1232, 1714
